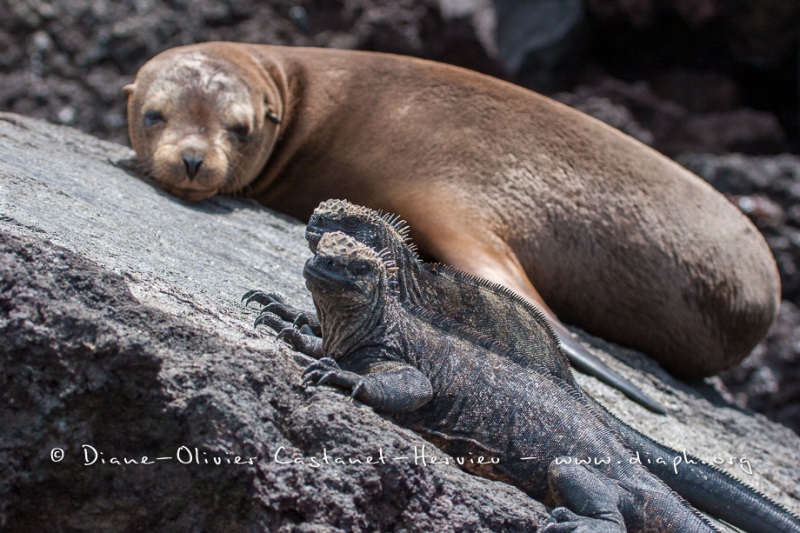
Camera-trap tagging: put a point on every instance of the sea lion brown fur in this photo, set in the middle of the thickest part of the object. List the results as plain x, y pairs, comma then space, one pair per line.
494, 179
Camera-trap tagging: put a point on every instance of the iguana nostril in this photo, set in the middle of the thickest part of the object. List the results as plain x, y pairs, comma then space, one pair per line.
192, 164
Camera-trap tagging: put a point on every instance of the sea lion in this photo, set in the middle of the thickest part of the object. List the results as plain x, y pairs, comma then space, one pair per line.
494, 179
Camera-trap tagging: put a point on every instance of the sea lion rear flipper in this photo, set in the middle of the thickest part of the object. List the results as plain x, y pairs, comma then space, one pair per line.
585, 362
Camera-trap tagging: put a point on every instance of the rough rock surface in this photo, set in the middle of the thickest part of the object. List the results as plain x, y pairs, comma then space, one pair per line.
753, 31
122, 330
684, 124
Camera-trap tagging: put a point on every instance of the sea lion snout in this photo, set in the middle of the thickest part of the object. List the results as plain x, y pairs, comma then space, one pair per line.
192, 162
193, 151
193, 167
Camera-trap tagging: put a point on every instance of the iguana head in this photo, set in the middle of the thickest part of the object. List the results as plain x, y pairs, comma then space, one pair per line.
342, 265
351, 285
378, 231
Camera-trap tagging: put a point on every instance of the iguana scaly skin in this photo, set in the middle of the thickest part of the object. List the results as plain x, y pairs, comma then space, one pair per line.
490, 308
412, 336
454, 386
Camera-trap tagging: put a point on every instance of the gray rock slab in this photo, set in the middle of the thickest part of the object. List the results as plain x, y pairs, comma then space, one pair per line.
122, 336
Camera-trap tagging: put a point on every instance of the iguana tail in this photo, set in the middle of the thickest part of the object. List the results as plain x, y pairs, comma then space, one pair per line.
706, 487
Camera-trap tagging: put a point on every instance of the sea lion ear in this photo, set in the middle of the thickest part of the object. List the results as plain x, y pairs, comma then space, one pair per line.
128, 89
272, 117
270, 114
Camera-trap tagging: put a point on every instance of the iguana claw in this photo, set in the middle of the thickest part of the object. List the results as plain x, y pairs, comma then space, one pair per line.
264, 298
284, 334
307, 380
270, 319
302, 341
325, 377
320, 371
274, 307
326, 363
356, 389
326, 370
303, 320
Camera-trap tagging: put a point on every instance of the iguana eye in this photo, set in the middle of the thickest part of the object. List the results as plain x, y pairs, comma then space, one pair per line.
360, 269
351, 223
151, 118
240, 131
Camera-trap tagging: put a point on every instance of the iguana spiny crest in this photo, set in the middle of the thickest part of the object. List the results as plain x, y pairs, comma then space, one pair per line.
373, 228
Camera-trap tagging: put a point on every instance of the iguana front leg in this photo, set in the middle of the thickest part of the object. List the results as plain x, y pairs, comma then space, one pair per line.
272, 302
306, 343
293, 326
387, 387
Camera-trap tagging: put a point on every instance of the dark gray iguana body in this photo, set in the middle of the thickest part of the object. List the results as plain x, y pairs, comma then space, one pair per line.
487, 307
529, 343
466, 394
703, 485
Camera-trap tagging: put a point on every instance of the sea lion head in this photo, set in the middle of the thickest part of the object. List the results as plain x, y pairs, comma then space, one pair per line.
203, 119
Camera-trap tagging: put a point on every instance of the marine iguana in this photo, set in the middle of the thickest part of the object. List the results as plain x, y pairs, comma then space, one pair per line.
414, 364
490, 308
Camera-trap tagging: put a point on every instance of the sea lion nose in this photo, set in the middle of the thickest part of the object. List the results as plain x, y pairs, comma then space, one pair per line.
192, 164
